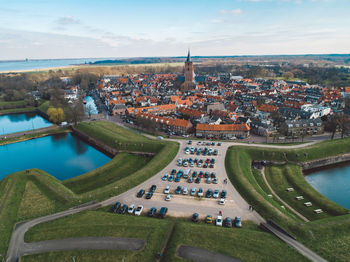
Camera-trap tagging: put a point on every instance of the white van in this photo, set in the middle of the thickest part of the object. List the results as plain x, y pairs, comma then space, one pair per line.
187, 172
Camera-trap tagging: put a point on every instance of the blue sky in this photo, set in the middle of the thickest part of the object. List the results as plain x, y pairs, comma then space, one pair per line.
106, 28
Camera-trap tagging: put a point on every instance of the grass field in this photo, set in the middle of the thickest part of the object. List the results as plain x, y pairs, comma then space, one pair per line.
247, 244
50, 195
119, 137
99, 223
121, 166
315, 234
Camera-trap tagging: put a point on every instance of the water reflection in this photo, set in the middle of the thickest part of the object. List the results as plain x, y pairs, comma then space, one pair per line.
333, 183
13, 123
63, 156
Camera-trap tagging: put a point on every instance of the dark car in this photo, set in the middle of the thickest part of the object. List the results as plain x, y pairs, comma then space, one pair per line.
213, 175
219, 144
206, 174
194, 174
149, 195
123, 209
205, 165
153, 188
211, 166
209, 193
223, 194
178, 178
228, 222
173, 172
178, 190
152, 212
198, 180
162, 212
171, 178
238, 222
115, 207
140, 193
195, 217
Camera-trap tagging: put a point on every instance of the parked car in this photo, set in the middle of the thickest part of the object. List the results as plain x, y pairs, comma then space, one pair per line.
165, 177
219, 221
198, 180
228, 222
178, 178
138, 210
131, 209
149, 195
140, 193
208, 180
178, 190
152, 212
209, 219
166, 190
116, 207
195, 217
193, 191
153, 188
238, 222
190, 180
209, 193
171, 178
223, 193
200, 192
222, 201
185, 191
216, 193
168, 197
123, 209
162, 212
215, 180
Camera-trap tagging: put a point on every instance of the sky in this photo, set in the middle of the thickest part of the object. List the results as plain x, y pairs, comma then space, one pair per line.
40, 29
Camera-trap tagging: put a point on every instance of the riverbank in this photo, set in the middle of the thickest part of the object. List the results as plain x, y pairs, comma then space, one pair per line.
32, 134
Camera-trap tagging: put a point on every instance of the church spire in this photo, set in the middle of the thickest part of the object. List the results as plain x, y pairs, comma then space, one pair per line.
188, 56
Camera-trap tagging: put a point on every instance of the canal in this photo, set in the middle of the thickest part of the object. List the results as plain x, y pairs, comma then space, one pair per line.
13, 123
333, 183
62, 155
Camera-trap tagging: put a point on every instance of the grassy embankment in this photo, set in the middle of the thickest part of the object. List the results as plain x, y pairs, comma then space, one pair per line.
20, 106
315, 234
247, 244
117, 176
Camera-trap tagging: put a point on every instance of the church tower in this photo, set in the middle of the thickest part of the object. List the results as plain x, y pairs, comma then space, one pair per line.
189, 73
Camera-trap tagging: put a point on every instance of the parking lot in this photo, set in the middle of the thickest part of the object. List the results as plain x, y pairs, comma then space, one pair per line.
184, 205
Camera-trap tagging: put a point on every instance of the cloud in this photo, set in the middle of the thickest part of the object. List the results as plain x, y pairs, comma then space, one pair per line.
62, 23
237, 11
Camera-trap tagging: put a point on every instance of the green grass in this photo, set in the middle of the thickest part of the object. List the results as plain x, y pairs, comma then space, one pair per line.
99, 224
247, 244
321, 235
44, 106
18, 110
32, 136
121, 166
119, 137
114, 178
34, 203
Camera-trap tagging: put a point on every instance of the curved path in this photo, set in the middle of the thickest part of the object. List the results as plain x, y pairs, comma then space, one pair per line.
103, 243
273, 192
197, 254
239, 205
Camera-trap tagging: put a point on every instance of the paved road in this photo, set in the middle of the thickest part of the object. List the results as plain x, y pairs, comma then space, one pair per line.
295, 244
103, 243
202, 255
17, 243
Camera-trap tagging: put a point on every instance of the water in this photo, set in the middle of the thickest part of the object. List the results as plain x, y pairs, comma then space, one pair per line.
90, 106
333, 183
62, 155
41, 64
13, 123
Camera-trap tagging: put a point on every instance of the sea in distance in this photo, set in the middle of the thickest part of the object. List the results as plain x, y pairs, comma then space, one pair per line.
24, 65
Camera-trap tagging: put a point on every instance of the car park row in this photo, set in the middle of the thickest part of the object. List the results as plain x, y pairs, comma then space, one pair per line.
195, 176
137, 211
